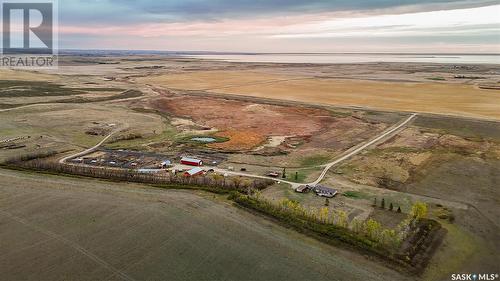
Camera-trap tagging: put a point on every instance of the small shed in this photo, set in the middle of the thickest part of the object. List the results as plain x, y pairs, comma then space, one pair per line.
191, 161
166, 164
194, 172
302, 189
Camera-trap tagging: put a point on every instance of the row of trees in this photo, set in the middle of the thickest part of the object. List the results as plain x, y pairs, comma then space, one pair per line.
407, 244
215, 182
370, 228
323, 215
31, 156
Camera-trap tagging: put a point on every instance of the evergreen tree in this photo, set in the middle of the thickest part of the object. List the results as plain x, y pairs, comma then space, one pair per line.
399, 210
382, 205
391, 207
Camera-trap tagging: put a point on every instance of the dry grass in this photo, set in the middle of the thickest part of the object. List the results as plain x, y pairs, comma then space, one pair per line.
7, 74
69, 122
205, 80
441, 98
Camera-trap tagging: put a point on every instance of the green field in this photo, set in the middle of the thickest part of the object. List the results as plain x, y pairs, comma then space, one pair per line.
315, 160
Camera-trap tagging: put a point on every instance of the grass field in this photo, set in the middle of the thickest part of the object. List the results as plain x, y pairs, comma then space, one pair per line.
315, 160
428, 97
459, 248
69, 122
68, 229
9, 74
20, 89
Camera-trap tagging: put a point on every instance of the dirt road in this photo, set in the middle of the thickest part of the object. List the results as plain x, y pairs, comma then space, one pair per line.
94, 148
357, 150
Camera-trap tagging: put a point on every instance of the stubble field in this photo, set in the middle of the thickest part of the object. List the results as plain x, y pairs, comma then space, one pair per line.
89, 230
429, 97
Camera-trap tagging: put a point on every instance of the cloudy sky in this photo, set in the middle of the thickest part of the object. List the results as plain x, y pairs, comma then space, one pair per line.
282, 25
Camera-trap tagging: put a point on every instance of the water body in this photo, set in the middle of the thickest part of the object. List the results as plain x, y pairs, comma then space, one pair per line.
205, 140
353, 58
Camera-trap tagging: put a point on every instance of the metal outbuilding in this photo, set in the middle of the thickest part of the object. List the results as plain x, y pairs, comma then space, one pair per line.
194, 172
191, 161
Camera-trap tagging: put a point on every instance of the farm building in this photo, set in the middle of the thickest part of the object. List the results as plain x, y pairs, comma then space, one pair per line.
191, 161
302, 189
165, 164
324, 191
194, 172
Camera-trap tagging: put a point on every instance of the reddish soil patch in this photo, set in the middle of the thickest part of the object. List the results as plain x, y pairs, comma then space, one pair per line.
246, 123
239, 140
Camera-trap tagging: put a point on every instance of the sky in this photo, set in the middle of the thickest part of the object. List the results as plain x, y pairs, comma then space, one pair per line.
413, 26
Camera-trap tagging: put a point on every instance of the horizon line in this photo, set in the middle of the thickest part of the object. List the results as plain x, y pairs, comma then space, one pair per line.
276, 53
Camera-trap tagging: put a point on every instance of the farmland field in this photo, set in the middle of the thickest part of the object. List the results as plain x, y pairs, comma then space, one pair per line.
81, 229
290, 120
427, 97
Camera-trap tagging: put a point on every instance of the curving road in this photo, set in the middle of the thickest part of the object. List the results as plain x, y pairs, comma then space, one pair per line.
92, 149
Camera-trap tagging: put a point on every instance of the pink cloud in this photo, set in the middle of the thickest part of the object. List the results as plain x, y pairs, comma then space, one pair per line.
263, 26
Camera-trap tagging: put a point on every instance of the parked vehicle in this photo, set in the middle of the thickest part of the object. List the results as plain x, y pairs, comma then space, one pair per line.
273, 174
327, 195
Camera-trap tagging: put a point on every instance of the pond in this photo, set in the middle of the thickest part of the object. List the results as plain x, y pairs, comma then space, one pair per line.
204, 139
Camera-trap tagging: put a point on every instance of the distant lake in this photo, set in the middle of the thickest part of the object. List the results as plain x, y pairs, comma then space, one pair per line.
353, 58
